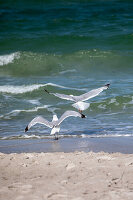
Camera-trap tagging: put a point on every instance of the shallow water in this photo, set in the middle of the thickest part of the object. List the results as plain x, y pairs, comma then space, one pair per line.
68, 47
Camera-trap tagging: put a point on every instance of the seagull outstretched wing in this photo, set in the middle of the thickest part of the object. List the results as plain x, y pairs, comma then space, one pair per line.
69, 113
62, 96
82, 97
91, 93
39, 120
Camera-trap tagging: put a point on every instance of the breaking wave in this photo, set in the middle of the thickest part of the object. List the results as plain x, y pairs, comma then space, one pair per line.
28, 88
46, 64
14, 113
9, 58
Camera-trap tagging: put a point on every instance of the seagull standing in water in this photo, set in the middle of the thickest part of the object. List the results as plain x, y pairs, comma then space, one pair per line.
79, 100
55, 124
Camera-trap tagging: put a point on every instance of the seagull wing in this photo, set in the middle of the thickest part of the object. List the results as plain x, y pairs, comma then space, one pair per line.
62, 96
68, 113
39, 120
92, 93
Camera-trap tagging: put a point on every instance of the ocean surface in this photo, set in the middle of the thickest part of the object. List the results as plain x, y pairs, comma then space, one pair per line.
69, 47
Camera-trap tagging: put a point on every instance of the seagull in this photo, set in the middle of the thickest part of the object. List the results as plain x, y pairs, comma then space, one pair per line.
55, 124
79, 100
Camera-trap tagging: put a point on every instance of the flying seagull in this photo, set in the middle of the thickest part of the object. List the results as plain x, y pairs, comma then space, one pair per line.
55, 124
79, 100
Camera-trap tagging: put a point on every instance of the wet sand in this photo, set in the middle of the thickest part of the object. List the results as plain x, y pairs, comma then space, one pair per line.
63, 176
106, 144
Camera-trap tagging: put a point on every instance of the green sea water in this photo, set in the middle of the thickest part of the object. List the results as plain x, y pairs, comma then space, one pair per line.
69, 47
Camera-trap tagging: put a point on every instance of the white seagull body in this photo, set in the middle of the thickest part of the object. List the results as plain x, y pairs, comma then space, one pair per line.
55, 124
79, 100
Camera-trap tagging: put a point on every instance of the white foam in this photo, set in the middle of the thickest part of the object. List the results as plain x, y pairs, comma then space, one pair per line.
19, 89
33, 136
112, 101
27, 88
106, 135
14, 113
68, 71
30, 110
101, 106
34, 101
9, 58
25, 136
52, 110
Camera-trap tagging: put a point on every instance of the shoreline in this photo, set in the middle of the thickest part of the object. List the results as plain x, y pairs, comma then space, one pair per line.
109, 145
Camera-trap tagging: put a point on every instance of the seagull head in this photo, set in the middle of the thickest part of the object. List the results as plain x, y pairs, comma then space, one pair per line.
107, 85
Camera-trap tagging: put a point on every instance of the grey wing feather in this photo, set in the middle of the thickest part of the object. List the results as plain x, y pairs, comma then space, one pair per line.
68, 113
91, 93
39, 120
63, 96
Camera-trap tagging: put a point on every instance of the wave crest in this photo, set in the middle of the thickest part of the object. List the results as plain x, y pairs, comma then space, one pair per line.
9, 58
12, 89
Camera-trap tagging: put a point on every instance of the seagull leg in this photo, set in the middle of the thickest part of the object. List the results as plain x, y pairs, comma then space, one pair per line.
56, 137
80, 111
82, 115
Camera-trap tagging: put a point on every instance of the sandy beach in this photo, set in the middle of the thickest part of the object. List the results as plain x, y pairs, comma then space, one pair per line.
63, 176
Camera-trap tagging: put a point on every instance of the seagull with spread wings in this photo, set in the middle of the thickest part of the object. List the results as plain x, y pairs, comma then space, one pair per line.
55, 124
79, 100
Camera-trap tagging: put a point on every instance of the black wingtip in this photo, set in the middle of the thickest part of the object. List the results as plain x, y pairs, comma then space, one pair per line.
26, 129
83, 116
107, 85
46, 91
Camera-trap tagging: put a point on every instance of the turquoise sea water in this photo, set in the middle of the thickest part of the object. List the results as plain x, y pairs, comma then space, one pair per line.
68, 47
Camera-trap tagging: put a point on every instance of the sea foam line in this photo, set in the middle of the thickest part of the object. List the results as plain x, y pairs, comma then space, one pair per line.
33, 136
9, 58
12, 89
30, 110
17, 112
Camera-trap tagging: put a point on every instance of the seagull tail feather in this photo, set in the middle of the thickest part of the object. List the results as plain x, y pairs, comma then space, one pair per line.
83, 116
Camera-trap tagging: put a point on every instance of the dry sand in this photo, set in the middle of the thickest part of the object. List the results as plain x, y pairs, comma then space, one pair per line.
66, 176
